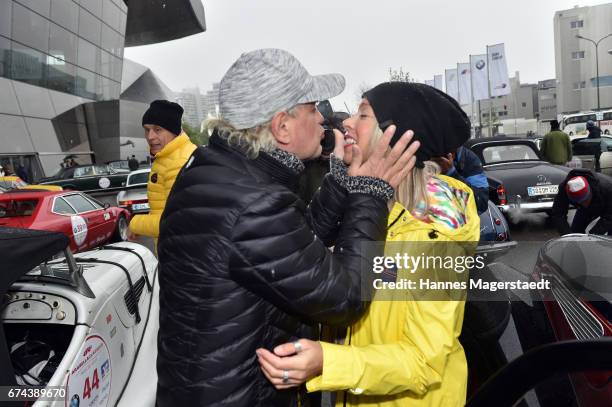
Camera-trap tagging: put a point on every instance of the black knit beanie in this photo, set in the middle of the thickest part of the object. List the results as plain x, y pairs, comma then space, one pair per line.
165, 114
438, 122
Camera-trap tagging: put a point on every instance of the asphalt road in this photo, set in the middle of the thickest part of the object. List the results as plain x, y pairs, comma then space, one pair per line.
530, 231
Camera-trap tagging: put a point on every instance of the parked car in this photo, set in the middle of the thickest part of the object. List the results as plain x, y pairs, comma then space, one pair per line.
88, 178
85, 221
134, 197
494, 233
14, 182
518, 176
584, 150
76, 324
546, 338
578, 304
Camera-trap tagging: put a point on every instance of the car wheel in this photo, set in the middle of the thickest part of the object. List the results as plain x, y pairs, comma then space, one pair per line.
121, 230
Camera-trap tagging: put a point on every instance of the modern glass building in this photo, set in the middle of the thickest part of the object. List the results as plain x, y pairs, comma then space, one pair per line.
63, 77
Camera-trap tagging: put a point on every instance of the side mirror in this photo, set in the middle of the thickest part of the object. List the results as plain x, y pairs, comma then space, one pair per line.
123, 184
609, 148
106, 205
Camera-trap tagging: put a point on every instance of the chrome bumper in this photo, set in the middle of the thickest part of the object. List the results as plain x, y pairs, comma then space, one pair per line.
528, 206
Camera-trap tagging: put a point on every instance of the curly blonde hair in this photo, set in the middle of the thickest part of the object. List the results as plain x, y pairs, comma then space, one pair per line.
253, 140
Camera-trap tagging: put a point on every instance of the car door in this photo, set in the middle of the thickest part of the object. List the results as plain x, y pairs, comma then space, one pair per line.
73, 228
85, 178
92, 217
107, 226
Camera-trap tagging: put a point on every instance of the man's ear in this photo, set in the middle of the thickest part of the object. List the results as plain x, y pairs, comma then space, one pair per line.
280, 128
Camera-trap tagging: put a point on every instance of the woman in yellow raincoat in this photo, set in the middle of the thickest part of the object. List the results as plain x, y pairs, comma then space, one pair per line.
405, 350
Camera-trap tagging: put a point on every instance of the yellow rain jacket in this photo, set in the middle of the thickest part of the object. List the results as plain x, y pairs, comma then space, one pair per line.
168, 162
405, 352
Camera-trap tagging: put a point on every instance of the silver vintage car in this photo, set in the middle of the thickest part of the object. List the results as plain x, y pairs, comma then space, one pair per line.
134, 197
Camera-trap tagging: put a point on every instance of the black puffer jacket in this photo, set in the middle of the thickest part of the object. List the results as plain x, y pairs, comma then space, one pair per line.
243, 265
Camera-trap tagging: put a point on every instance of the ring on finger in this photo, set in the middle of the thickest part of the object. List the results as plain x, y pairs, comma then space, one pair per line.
285, 376
298, 346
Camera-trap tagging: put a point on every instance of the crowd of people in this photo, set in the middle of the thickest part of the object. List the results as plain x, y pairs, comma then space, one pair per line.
262, 298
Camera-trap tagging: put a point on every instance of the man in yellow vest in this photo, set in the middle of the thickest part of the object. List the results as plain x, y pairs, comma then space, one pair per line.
170, 148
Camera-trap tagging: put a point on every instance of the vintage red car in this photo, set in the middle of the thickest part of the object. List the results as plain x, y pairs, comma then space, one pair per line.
87, 222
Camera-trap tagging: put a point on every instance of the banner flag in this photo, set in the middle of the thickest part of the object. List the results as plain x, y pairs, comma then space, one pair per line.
480, 79
498, 70
452, 88
438, 82
465, 86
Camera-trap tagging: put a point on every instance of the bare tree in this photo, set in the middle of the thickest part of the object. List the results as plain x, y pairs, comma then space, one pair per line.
398, 75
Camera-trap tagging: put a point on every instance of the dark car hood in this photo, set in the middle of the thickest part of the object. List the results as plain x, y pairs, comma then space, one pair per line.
583, 263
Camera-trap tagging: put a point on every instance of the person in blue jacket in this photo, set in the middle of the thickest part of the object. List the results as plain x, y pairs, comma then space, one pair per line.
465, 166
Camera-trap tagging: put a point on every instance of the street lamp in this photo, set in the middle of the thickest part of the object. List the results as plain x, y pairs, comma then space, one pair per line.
596, 43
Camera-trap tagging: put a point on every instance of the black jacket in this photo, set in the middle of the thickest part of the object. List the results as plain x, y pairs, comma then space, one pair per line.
601, 204
594, 132
243, 265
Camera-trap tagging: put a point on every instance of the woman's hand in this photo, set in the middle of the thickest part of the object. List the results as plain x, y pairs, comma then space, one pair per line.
296, 364
389, 165
339, 146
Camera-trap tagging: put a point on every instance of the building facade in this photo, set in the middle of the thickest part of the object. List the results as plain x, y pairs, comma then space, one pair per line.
62, 76
575, 61
547, 100
194, 104
211, 99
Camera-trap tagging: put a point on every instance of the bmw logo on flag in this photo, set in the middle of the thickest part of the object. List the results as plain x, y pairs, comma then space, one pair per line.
480, 64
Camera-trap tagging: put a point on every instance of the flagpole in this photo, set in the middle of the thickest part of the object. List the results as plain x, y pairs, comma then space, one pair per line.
489, 88
472, 92
479, 120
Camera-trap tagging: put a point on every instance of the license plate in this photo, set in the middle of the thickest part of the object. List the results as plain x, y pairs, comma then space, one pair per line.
138, 207
542, 190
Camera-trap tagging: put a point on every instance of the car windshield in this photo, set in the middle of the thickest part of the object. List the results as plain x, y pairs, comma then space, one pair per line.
14, 208
139, 178
509, 152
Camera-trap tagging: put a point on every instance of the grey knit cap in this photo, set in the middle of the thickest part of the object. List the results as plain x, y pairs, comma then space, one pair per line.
266, 81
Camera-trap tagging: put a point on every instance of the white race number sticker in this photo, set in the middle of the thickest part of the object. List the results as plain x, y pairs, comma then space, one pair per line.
104, 182
89, 380
79, 229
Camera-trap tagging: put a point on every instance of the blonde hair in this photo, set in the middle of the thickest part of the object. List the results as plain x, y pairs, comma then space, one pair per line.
412, 191
253, 140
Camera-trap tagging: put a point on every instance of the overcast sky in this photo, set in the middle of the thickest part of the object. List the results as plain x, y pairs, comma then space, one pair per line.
362, 39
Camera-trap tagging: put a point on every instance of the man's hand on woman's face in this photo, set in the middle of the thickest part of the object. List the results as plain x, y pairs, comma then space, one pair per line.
287, 361
391, 165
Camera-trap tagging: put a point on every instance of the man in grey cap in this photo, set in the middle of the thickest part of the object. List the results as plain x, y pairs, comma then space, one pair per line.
244, 263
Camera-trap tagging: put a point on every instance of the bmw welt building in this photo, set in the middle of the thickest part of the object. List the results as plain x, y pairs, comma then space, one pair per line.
65, 88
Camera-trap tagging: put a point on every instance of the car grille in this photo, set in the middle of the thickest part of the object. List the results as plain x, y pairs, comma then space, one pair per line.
130, 301
580, 319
